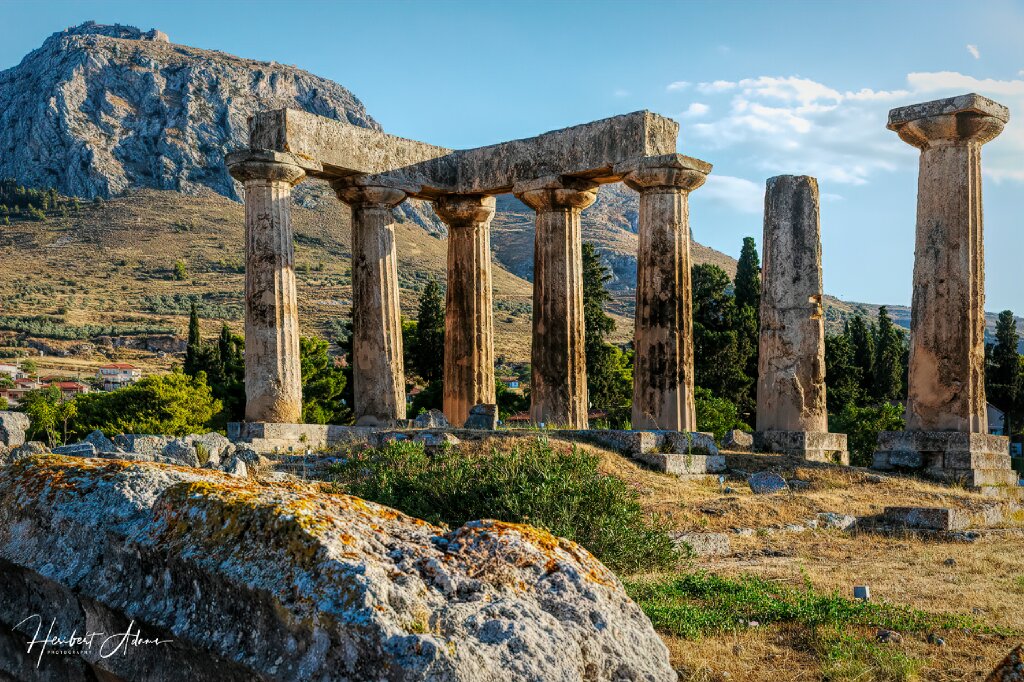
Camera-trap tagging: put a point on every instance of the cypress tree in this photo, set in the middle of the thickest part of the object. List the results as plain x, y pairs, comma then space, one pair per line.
888, 366
747, 285
609, 369
1005, 381
863, 344
429, 351
195, 341
842, 375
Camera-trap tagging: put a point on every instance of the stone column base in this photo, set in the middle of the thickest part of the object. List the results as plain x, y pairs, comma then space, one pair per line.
814, 446
976, 460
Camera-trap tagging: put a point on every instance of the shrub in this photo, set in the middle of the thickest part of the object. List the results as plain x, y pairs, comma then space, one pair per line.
862, 425
562, 492
716, 415
173, 404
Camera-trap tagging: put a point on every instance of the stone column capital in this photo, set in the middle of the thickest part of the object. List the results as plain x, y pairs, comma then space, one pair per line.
269, 166
554, 193
669, 172
955, 120
464, 210
368, 196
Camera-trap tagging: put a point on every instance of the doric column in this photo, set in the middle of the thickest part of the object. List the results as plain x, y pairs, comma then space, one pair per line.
663, 340
791, 357
469, 319
947, 329
273, 377
558, 391
378, 374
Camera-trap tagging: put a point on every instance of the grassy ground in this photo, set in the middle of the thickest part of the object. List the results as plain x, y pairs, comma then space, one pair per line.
779, 606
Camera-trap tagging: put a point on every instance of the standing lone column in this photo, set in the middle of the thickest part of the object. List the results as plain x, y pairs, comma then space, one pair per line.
273, 376
378, 374
792, 416
469, 317
663, 366
558, 391
947, 423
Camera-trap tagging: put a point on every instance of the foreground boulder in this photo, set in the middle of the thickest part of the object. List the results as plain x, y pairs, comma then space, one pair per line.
13, 426
286, 582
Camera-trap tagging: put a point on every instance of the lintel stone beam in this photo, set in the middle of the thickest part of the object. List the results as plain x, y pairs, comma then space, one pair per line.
588, 151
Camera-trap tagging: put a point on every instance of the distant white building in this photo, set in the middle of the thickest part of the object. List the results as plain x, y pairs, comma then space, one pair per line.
118, 375
12, 372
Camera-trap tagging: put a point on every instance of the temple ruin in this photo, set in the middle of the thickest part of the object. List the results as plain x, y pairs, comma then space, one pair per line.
557, 174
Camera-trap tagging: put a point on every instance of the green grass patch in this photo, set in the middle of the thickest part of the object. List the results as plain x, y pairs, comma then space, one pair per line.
850, 657
692, 605
562, 492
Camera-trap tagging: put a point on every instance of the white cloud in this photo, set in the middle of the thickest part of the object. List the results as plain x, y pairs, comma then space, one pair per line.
621, 93
973, 49
695, 110
677, 85
739, 193
789, 124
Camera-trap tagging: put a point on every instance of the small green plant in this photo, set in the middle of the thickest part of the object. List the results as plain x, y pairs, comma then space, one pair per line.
202, 453
862, 425
562, 492
849, 657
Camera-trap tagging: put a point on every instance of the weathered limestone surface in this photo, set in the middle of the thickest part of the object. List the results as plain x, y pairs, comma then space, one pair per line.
791, 363
946, 389
663, 369
469, 316
336, 589
13, 426
558, 392
273, 381
814, 446
587, 150
978, 460
378, 373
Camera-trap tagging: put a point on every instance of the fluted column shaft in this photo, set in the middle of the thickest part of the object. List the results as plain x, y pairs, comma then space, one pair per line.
558, 391
469, 316
378, 373
663, 389
273, 376
946, 390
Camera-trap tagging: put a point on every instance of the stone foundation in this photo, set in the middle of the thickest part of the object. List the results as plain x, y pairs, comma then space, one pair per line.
814, 446
976, 460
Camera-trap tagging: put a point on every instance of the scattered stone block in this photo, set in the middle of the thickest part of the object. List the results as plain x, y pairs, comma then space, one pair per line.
704, 544
431, 419
76, 450
927, 518
482, 417
683, 465
837, 521
237, 467
738, 440
13, 426
813, 446
101, 442
434, 440
181, 452
690, 442
766, 483
142, 444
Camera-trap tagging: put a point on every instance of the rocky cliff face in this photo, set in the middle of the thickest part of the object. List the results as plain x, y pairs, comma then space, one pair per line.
100, 109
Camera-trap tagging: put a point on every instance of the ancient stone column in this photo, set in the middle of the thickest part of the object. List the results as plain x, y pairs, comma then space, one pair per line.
273, 378
792, 416
663, 340
947, 424
378, 374
947, 339
469, 318
558, 390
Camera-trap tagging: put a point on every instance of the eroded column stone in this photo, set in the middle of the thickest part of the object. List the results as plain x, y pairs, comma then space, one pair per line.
947, 423
558, 392
663, 340
792, 416
378, 374
273, 377
947, 340
469, 317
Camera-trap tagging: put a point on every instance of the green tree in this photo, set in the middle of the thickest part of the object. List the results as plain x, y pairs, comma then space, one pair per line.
747, 285
428, 355
862, 425
173, 404
609, 368
193, 348
716, 415
888, 365
843, 377
720, 356
322, 384
863, 343
180, 270
1004, 380
50, 412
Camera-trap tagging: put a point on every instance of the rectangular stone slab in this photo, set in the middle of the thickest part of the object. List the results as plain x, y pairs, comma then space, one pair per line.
950, 105
340, 148
591, 150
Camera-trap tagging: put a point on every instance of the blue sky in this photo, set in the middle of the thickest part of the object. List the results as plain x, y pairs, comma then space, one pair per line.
760, 89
